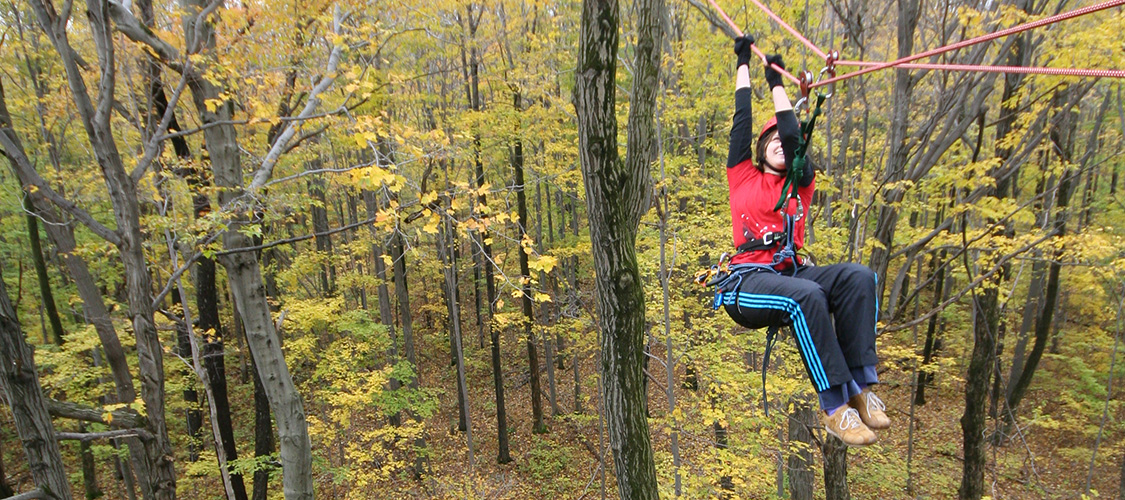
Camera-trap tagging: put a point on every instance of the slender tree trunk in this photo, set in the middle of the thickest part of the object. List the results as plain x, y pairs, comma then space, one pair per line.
48, 300
546, 309
1050, 294
835, 469
483, 237
574, 306
801, 477
449, 266
20, 383
887, 220
406, 321
617, 194
538, 426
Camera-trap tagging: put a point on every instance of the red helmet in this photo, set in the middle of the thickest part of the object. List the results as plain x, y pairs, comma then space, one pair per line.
770, 125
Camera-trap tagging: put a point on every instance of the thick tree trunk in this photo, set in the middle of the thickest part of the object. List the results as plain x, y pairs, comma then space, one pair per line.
244, 273
617, 194
20, 383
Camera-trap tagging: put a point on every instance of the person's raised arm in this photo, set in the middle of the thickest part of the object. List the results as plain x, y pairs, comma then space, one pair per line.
788, 128
742, 130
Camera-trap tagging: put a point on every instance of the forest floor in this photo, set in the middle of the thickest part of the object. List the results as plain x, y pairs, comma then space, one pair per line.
1044, 460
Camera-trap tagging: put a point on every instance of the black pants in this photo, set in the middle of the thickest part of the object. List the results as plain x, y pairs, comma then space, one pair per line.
809, 301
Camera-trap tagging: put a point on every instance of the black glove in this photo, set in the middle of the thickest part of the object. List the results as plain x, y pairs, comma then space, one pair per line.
742, 49
772, 76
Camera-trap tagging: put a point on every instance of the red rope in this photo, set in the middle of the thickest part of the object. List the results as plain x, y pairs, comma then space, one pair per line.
1108, 73
753, 47
790, 29
980, 39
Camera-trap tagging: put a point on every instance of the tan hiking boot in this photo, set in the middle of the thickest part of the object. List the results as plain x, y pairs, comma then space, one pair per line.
871, 410
845, 424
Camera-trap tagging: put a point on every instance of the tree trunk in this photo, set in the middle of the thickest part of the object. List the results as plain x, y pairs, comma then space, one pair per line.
835, 469
483, 237
193, 418
20, 382
538, 426
36, 249
386, 315
449, 269
244, 273
398, 256
897, 142
801, 475
5, 488
617, 194
1065, 140
89, 474
62, 237
161, 480
573, 305
546, 309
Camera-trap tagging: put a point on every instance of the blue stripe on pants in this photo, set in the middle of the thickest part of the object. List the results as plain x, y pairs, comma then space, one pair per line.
800, 328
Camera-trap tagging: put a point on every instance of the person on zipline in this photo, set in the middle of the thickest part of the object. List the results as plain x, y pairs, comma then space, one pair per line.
770, 286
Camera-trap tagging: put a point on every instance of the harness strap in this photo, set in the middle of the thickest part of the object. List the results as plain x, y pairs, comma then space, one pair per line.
797, 170
766, 242
771, 336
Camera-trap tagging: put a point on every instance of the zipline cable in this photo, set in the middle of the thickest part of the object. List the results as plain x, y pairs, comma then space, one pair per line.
984, 38
1035, 70
905, 61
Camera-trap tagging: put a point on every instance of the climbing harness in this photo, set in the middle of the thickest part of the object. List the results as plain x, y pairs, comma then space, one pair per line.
727, 278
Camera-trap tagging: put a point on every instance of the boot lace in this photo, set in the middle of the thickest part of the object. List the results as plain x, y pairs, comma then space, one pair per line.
850, 420
873, 401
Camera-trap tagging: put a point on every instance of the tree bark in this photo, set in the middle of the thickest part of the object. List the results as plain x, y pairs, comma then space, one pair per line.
835, 469
483, 239
617, 194
801, 477
897, 141
538, 426
244, 272
36, 249
20, 383
406, 321
449, 269
161, 480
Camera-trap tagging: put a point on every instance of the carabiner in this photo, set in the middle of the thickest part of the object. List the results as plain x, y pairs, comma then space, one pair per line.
806, 80
830, 68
